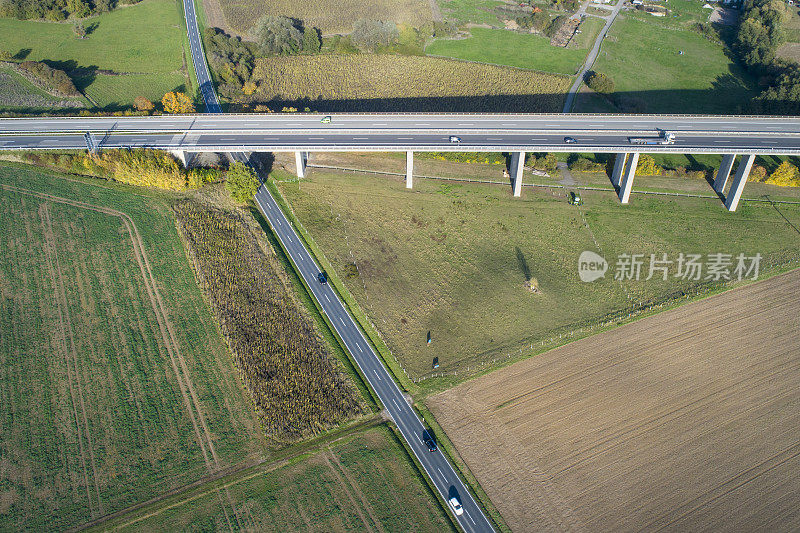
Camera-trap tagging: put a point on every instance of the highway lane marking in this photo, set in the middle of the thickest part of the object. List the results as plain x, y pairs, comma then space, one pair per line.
342, 321
493, 139
470, 517
359, 348
466, 123
509, 123
380, 124
395, 404
722, 141
422, 124
376, 375
769, 142
328, 299
360, 138
441, 474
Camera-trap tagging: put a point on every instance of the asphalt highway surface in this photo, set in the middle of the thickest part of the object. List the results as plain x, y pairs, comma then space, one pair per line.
416, 123
199, 59
341, 141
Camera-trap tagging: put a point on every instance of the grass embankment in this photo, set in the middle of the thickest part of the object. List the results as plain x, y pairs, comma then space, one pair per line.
454, 259
19, 94
502, 47
364, 482
112, 393
650, 74
330, 16
140, 47
403, 84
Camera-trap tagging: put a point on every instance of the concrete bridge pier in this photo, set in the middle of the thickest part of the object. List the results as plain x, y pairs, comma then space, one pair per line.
300, 163
409, 169
724, 172
742, 173
517, 163
619, 166
626, 184
181, 155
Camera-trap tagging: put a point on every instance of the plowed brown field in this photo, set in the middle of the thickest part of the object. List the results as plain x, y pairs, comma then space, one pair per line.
686, 421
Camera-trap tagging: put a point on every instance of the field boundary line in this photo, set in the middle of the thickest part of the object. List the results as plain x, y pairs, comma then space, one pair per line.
228, 478
70, 355
190, 399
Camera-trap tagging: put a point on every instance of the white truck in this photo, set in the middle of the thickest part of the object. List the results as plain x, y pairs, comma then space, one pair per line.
666, 137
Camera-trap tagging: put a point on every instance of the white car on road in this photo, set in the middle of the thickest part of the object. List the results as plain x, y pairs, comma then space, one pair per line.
456, 505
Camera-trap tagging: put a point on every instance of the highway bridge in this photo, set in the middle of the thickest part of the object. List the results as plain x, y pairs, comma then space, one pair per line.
732, 136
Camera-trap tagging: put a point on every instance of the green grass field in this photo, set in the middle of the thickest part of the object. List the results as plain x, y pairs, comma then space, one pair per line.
362, 483
141, 44
116, 383
650, 75
476, 11
453, 259
503, 47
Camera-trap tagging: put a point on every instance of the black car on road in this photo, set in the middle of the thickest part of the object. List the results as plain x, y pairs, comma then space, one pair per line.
322, 277
430, 442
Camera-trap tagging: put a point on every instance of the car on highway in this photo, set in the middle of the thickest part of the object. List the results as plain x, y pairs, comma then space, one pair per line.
322, 277
326, 120
456, 505
430, 442
570, 140
455, 139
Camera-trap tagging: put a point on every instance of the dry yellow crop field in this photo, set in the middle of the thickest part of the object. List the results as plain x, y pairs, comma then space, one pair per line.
686, 421
330, 16
365, 82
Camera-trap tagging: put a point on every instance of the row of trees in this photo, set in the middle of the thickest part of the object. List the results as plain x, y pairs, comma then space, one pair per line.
758, 38
57, 10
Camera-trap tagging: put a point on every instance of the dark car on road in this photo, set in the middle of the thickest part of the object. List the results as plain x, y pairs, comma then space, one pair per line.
322, 277
430, 442
570, 140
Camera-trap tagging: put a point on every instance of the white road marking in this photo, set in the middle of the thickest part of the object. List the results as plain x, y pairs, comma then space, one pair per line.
377, 375
380, 124
466, 123
721, 141
359, 348
328, 299
470, 517
441, 474
395, 404
342, 321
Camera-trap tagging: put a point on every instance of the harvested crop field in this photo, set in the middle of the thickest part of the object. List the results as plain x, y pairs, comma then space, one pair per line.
403, 84
686, 421
330, 16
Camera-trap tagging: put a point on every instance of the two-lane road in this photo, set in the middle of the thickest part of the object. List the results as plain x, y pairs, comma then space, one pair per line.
199, 60
436, 465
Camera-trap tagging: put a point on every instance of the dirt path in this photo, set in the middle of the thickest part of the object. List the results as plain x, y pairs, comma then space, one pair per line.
347, 488
70, 358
